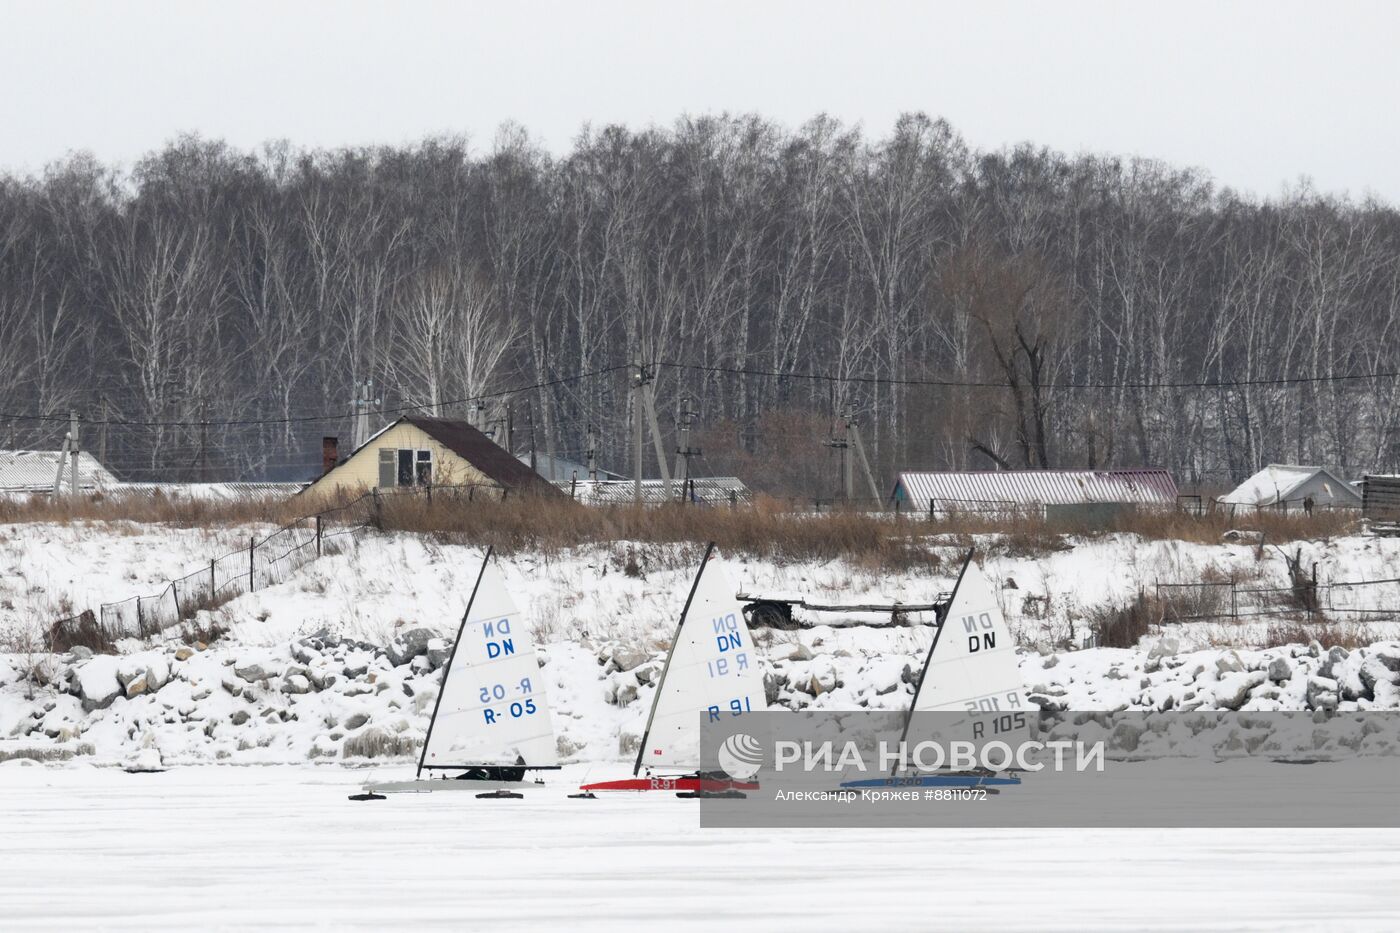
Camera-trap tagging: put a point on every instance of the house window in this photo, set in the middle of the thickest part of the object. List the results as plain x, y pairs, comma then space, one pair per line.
404, 467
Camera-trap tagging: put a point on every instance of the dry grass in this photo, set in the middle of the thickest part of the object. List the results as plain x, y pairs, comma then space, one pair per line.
1211, 528
767, 529
1124, 625
203, 630
151, 508
1348, 635
83, 631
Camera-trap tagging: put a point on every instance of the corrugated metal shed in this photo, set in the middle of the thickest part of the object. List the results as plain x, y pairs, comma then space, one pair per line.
711, 490
210, 492
1282, 484
989, 490
24, 471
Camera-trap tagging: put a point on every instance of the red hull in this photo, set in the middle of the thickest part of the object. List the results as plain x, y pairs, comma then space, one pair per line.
672, 785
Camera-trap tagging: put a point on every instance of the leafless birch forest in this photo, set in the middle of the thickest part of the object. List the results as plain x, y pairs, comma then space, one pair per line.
1019, 308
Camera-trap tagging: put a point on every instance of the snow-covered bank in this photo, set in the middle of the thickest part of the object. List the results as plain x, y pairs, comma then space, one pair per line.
386, 583
328, 698
340, 662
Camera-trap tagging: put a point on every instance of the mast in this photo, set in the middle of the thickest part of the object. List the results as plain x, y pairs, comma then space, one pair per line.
447, 668
942, 623
675, 639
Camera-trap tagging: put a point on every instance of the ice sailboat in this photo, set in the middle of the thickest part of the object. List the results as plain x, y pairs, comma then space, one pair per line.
971, 670
711, 669
491, 721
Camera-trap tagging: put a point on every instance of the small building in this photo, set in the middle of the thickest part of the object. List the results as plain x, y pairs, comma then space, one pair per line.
1287, 487
418, 452
562, 470
1096, 495
1381, 502
26, 472
211, 492
710, 490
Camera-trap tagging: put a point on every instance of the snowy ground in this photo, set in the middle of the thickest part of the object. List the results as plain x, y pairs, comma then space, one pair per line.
388, 582
48, 571
281, 847
268, 839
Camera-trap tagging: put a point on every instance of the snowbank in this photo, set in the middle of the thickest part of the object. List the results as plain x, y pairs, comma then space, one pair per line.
326, 697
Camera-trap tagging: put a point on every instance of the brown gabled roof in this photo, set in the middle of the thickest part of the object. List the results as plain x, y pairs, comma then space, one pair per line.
483, 453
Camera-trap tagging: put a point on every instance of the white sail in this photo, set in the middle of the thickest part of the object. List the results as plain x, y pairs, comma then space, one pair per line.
972, 666
712, 669
493, 708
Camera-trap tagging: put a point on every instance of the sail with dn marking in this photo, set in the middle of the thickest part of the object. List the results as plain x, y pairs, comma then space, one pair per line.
712, 669
492, 708
972, 666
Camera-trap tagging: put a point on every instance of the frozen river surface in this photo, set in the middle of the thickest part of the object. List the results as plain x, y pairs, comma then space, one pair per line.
282, 847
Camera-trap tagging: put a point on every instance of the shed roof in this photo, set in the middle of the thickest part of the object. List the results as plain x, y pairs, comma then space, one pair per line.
1037, 487
210, 492
1283, 482
710, 489
564, 468
34, 471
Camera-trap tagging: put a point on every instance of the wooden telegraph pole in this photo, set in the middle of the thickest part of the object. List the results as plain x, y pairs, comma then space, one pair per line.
638, 381
592, 454
73, 452
683, 450
644, 406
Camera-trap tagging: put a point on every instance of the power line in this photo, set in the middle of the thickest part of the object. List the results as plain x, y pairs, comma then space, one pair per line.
977, 384
338, 416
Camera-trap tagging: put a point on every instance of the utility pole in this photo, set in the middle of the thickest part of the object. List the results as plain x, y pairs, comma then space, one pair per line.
853, 437
843, 446
848, 465
530, 420
547, 415
364, 393
638, 382
62, 462
684, 451
649, 399
73, 451
510, 430
102, 435
204, 442
592, 455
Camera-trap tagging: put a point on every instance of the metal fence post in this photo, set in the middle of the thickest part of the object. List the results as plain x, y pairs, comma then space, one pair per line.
251, 543
213, 585
175, 595
140, 621
318, 535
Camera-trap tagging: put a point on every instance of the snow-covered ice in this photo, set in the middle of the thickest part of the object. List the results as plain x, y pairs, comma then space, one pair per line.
280, 847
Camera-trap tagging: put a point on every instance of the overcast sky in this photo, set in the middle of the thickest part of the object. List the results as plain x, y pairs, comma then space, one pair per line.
1258, 94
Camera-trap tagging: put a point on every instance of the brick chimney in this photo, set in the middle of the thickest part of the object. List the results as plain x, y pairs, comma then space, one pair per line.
330, 454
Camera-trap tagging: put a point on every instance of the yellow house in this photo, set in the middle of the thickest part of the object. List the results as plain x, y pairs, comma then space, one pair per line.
416, 452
